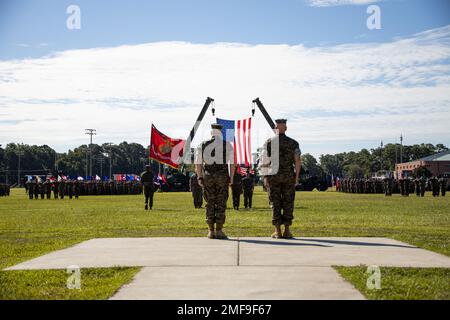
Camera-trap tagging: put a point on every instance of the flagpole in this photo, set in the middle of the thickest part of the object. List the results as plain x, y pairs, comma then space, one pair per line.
150, 145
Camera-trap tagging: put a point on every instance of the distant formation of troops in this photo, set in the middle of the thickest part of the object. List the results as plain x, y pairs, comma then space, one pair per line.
4, 189
388, 186
36, 188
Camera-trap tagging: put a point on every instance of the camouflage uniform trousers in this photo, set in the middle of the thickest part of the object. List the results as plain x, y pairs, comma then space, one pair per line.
236, 191
55, 190
215, 192
148, 193
197, 195
443, 187
282, 195
417, 188
30, 191
422, 188
248, 196
387, 185
36, 191
62, 189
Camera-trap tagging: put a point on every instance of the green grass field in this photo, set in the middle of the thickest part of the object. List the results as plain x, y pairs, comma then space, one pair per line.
30, 228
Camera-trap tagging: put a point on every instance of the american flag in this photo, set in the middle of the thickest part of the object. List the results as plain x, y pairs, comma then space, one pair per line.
238, 132
245, 170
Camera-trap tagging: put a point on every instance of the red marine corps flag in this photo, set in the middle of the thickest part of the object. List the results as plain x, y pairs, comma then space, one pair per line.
165, 149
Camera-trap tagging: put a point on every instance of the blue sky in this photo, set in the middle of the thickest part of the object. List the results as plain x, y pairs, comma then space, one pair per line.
110, 23
342, 86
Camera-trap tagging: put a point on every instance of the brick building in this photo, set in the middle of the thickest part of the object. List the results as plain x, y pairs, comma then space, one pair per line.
438, 164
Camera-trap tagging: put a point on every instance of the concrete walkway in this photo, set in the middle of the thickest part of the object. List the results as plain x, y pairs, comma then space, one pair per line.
238, 283
244, 268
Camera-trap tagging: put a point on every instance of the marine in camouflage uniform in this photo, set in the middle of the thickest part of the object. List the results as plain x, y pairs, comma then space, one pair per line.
248, 184
417, 186
443, 185
388, 186
36, 188
281, 183
76, 188
197, 192
30, 187
61, 187
434, 182
48, 188
213, 159
147, 178
236, 190
401, 184
406, 187
55, 188
70, 188
423, 186
41, 188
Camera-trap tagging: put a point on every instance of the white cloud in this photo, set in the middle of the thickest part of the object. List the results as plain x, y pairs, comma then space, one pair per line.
331, 95
334, 3
23, 45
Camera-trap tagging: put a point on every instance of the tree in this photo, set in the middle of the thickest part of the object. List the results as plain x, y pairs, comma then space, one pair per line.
440, 148
310, 164
332, 164
422, 172
354, 171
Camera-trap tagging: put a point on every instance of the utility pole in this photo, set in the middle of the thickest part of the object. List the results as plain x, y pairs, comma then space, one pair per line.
86, 171
381, 156
90, 132
401, 148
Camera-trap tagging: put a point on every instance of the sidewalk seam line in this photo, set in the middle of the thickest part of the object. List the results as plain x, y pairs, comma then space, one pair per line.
238, 251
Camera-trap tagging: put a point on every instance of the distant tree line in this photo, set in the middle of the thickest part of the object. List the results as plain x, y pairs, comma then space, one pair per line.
364, 162
131, 158
124, 157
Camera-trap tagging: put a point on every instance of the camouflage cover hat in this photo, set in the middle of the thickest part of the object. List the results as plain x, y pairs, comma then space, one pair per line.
216, 126
281, 121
